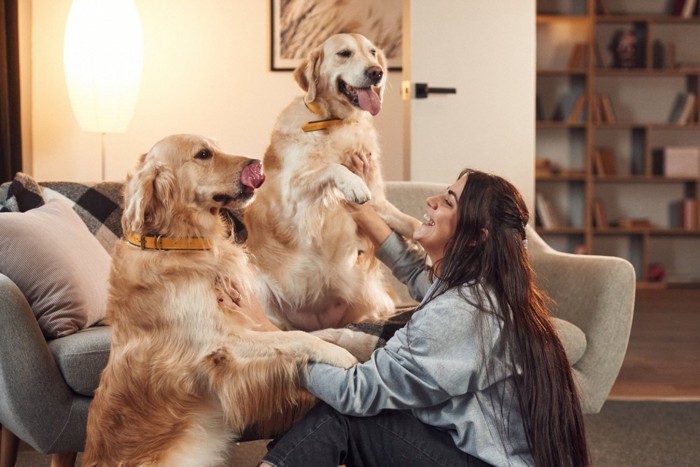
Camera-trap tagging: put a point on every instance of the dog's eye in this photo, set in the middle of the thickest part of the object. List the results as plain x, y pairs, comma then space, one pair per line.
204, 154
373, 52
344, 53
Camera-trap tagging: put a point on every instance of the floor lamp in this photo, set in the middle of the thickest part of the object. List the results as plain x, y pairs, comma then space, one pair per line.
103, 61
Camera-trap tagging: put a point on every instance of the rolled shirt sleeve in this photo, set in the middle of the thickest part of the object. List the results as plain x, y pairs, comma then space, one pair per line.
406, 264
444, 360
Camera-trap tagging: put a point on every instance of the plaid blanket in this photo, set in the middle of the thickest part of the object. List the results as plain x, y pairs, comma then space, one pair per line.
100, 206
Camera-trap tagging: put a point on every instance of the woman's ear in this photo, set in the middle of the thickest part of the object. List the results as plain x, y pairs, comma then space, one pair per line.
484, 234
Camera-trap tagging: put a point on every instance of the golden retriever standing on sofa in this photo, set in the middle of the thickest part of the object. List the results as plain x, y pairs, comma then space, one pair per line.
319, 271
194, 360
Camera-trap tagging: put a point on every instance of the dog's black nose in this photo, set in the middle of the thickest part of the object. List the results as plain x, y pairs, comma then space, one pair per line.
375, 74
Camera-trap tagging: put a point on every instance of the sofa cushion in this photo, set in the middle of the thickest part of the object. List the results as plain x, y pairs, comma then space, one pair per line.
81, 357
97, 204
573, 339
59, 266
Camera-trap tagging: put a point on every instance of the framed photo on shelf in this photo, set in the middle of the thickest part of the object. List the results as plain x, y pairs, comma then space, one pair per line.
298, 26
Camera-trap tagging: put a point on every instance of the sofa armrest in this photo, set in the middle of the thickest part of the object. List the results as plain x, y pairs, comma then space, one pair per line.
596, 293
36, 404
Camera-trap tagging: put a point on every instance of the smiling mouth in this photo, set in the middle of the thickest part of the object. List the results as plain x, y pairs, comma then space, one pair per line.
364, 98
349, 92
428, 220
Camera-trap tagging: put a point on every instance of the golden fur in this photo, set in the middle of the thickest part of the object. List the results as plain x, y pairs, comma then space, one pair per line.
319, 272
194, 361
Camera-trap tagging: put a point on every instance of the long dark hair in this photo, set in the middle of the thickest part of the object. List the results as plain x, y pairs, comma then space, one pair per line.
489, 248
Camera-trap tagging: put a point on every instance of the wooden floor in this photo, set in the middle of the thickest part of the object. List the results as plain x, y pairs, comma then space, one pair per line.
663, 356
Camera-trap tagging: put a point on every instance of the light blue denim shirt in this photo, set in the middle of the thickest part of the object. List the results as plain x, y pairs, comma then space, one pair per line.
446, 366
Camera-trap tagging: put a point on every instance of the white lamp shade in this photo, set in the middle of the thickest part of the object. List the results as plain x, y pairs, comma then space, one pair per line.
103, 61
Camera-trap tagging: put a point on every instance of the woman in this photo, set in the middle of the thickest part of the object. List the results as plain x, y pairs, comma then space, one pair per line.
477, 376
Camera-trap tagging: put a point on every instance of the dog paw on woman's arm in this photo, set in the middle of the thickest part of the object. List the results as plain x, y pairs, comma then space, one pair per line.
359, 344
334, 355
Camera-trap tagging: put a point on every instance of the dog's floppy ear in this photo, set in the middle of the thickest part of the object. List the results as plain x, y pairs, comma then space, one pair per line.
308, 72
148, 192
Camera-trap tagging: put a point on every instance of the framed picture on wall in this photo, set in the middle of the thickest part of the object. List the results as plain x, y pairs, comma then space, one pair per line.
298, 26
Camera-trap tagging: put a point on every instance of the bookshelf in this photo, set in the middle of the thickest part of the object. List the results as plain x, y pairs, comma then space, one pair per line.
617, 128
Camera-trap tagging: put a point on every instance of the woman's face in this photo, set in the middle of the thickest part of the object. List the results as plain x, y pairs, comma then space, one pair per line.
440, 220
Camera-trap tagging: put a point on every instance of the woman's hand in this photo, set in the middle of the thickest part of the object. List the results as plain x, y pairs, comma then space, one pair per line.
360, 163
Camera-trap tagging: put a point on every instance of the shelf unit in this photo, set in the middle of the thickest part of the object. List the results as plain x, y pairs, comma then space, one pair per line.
638, 204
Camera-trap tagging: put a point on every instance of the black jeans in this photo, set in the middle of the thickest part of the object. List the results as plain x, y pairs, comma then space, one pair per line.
325, 437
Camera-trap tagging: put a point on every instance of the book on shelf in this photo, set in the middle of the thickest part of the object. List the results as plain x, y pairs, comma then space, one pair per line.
578, 112
602, 109
677, 7
545, 213
604, 161
677, 107
579, 56
689, 214
688, 8
688, 113
684, 8
601, 8
678, 161
684, 214
606, 108
684, 109
670, 59
670, 56
633, 223
568, 102
664, 55
599, 218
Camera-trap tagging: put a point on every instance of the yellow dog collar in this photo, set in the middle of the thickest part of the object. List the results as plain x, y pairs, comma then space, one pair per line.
317, 125
322, 124
158, 242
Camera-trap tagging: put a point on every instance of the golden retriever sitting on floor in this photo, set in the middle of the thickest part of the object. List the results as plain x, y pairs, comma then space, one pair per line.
319, 271
194, 361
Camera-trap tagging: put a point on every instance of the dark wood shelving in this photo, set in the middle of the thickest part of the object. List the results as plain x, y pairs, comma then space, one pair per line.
575, 184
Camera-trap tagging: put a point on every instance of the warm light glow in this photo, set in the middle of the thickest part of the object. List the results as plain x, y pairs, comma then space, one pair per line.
103, 60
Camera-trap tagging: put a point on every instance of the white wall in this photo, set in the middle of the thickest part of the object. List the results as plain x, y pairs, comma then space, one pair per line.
486, 51
206, 71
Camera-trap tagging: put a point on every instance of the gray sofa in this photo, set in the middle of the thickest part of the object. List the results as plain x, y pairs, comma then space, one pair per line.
46, 386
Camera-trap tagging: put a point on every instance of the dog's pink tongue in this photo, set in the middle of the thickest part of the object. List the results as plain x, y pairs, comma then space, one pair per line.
369, 100
252, 175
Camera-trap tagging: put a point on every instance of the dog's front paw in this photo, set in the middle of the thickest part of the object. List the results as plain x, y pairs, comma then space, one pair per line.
360, 344
353, 188
336, 356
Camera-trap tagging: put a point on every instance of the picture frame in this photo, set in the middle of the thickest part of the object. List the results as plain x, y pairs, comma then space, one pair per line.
298, 26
